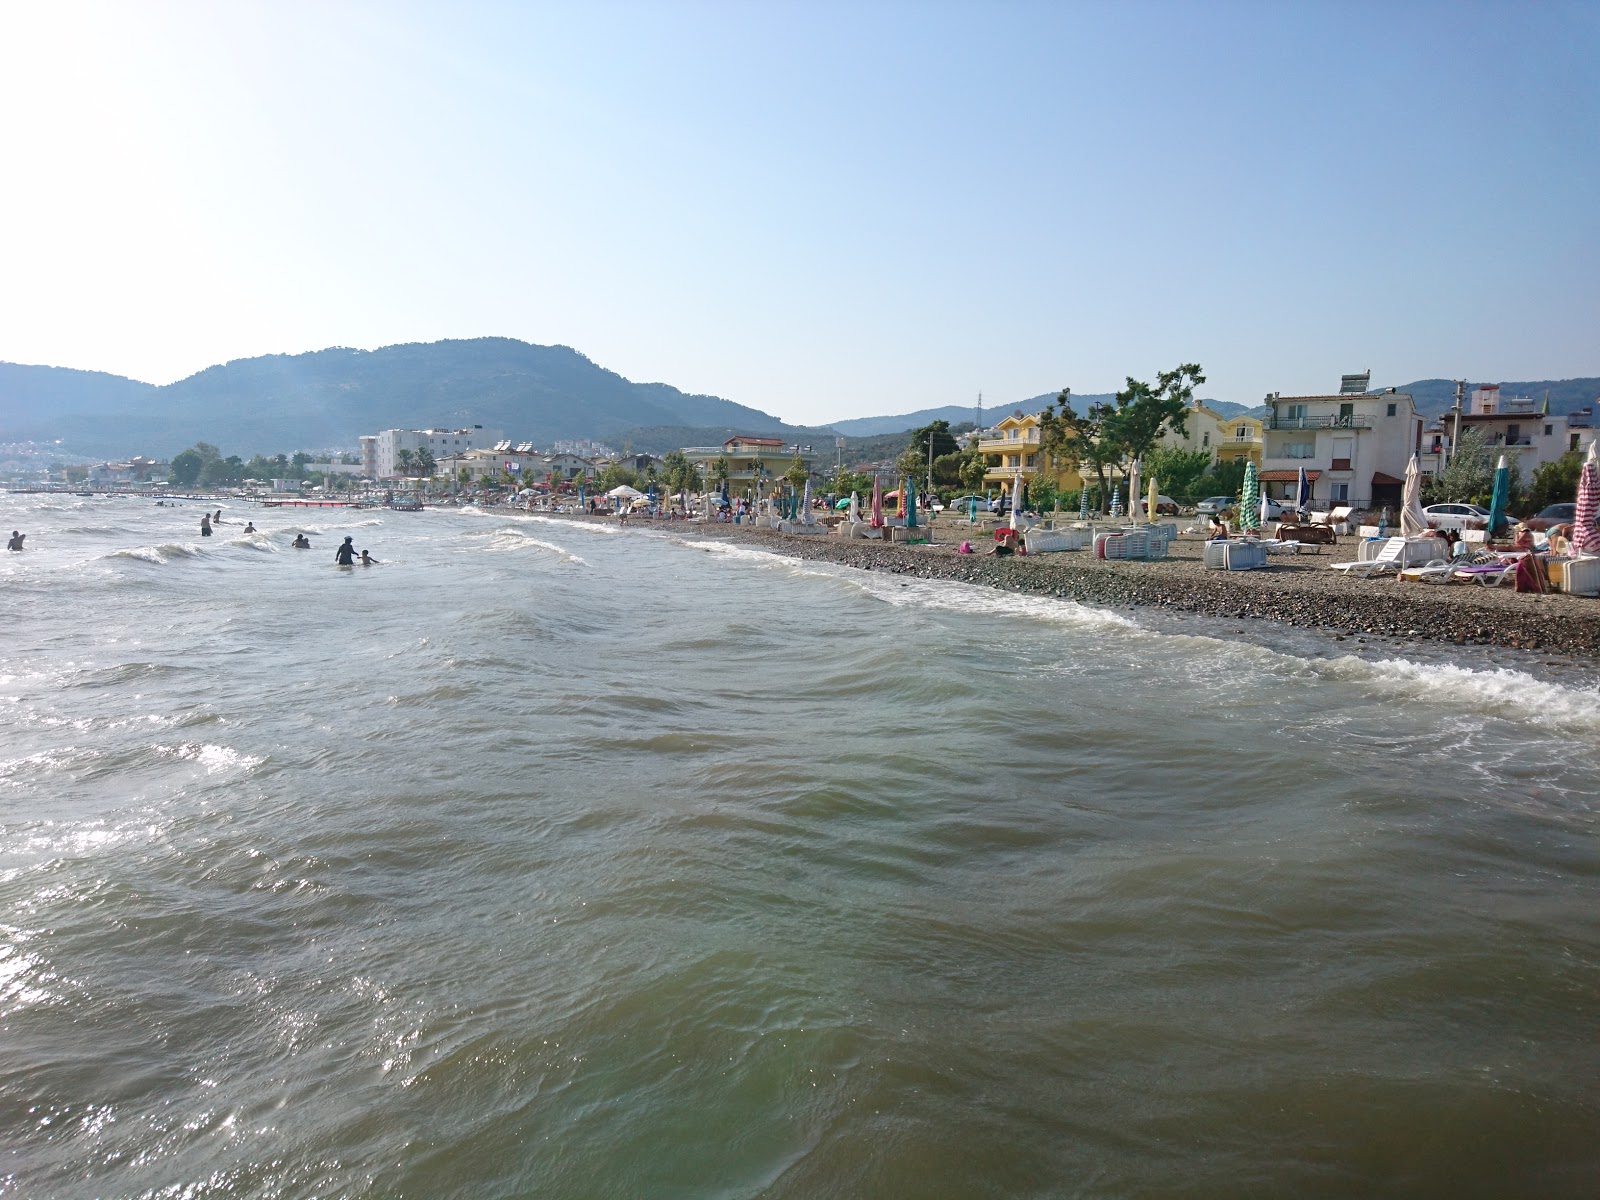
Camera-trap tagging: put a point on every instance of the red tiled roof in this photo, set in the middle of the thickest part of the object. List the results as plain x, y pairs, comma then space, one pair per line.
1288, 476
1379, 479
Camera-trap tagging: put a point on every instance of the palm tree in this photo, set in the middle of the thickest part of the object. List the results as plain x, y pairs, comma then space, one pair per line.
404, 459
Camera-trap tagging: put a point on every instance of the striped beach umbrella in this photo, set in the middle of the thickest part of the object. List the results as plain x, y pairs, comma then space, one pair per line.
1250, 498
805, 504
1502, 495
1116, 499
1585, 538
1083, 501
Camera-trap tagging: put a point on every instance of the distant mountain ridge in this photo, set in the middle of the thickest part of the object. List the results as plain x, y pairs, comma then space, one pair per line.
328, 398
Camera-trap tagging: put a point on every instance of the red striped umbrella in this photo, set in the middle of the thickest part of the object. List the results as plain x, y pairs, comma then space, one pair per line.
1585, 538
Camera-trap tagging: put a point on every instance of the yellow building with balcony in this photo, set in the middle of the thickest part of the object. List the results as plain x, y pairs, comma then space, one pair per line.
1013, 445
1223, 439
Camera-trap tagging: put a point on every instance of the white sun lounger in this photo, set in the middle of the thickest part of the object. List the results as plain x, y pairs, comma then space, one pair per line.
1387, 559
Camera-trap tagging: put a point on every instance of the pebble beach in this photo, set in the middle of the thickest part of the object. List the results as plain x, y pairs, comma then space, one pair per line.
1297, 590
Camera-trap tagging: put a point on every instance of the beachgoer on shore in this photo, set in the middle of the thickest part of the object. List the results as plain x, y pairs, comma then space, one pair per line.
345, 555
1523, 539
1219, 529
1560, 539
16, 540
205, 524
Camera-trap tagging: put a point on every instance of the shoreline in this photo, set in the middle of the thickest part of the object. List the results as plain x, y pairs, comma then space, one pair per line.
1296, 590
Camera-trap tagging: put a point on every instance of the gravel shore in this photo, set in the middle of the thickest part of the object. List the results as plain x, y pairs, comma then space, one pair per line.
1297, 590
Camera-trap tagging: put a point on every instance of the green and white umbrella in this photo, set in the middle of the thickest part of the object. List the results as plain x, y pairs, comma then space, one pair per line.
1250, 498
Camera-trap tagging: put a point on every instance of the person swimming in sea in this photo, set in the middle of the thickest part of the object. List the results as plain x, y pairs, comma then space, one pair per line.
16, 540
205, 524
301, 542
249, 526
345, 555
367, 560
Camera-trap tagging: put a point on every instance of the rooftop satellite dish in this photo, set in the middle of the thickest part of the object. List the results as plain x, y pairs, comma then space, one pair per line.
1354, 385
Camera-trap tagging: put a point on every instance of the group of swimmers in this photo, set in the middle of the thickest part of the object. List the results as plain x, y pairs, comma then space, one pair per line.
344, 556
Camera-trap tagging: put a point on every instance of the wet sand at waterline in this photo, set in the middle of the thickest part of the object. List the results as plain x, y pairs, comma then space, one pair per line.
553, 859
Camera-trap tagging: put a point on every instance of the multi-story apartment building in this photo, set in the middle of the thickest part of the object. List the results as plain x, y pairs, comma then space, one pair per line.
441, 443
1354, 447
1522, 429
1013, 445
749, 457
1225, 439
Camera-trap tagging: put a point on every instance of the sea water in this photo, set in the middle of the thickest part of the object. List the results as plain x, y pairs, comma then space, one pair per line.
552, 859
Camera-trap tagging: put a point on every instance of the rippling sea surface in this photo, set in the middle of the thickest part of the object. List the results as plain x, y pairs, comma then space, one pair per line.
546, 859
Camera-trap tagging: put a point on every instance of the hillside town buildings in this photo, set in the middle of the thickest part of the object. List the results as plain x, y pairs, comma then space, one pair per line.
749, 458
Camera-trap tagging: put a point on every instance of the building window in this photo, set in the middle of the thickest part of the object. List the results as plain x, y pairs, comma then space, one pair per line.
1549, 429
1027, 460
1393, 408
1205, 440
1242, 433
1300, 450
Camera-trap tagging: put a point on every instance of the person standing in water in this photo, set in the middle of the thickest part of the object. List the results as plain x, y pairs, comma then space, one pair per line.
205, 524
301, 542
16, 540
366, 559
250, 527
345, 555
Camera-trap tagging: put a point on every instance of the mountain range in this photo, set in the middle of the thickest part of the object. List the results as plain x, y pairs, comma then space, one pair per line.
325, 399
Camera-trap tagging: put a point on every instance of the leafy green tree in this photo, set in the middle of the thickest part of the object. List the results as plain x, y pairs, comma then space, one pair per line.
1144, 413
1469, 476
1556, 482
947, 468
911, 462
798, 472
1177, 471
721, 471
616, 475
1224, 479
1080, 441
972, 470
298, 462
186, 467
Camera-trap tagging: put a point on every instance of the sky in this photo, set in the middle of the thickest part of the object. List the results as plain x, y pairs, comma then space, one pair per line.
820, 210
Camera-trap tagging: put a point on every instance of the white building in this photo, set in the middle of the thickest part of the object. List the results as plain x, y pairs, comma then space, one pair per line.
441, 443
1522, 429
1354, 447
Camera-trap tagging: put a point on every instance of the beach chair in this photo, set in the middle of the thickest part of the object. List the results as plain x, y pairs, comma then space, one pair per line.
1386, 560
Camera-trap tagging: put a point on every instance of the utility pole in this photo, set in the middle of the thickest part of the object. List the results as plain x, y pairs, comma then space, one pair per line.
1455, 437
929, 492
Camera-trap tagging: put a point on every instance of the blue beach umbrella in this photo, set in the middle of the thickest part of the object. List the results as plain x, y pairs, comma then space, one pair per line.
911, 504
1497, 505
1302, 492
1083, 502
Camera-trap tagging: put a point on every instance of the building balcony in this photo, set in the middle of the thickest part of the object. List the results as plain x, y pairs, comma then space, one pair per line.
1335, 422
1006, 445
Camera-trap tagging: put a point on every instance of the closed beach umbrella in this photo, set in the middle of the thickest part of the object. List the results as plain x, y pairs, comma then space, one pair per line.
1154, 499
910, 494
1116, 499
1497, 503
855, 508
1413, 521
806, 503
1302, 492
877, 503
1016, 498
972, 509
1083, 501
1250, 498
1134, 513
1585, 538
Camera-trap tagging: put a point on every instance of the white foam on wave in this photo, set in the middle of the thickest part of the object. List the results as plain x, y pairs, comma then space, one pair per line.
513, 539
160, 555
945, 595
542, 519
212, 757
1496, 692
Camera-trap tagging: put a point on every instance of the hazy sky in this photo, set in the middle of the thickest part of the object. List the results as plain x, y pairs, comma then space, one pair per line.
822, 210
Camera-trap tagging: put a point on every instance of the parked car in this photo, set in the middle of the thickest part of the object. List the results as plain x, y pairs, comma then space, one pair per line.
962, 503
1212, 505
1456, 516
1554, 514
